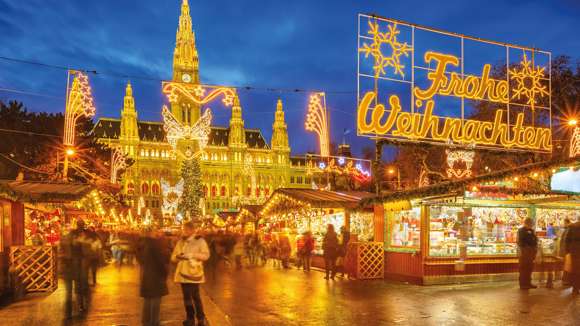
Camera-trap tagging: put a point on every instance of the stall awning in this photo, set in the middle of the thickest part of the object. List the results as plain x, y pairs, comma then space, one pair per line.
474, 184
286, 199
49, 192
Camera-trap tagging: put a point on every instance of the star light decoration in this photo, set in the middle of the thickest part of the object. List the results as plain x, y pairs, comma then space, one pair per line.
118, 162
171, 196
389, 38
79, 103
528, 82
316, 121
457, 156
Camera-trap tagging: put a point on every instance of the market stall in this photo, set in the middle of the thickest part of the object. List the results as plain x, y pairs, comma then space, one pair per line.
295, 211
248, 218
467, 230
31, 217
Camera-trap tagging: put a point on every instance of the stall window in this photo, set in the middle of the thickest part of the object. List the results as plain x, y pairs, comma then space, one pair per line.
483, 230
405, 229
550, 223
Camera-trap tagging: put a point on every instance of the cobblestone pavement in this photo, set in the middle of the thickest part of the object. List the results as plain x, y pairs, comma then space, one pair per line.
266, 296
115, 301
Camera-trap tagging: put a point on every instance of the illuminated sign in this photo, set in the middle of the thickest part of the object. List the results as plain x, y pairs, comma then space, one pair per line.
356, 168
420, 84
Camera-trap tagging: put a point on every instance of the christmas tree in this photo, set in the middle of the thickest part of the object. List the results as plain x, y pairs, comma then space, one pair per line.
192, 190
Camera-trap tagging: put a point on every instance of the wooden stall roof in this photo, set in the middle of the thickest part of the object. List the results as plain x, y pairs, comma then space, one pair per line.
315, 198
34, 191
458, 187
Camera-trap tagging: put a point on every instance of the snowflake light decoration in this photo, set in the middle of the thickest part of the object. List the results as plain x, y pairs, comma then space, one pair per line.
374, 49
528, 81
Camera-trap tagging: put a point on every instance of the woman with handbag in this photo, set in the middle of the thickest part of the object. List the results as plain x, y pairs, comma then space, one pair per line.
189, 254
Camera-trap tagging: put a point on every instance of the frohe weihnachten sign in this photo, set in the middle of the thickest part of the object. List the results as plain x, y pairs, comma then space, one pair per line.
420, 84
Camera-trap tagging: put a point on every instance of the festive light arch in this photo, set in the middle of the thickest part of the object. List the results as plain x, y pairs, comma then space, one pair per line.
79, 103
316, 121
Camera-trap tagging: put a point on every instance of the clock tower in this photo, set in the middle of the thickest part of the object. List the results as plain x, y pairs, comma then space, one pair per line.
185, 67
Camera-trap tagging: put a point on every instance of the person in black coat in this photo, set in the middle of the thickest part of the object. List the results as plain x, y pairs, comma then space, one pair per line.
528, 244
153, 256
330, 247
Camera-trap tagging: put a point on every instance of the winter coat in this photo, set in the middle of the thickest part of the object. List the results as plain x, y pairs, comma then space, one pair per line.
195, 251
153, 256
573, 239
330, 245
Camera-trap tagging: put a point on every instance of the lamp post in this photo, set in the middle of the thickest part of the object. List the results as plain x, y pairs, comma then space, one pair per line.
70, 151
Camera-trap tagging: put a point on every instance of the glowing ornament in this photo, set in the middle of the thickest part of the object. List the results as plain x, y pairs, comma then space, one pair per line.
79, 103
455, 157
171, 196
175, 131
528, 81
397, 49
316, 121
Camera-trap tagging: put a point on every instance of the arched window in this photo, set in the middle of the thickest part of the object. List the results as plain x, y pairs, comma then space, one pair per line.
223, 191
257, 191
205, 191
267, 191
130, 188
155, 190
213, 191
249, 191
144, 188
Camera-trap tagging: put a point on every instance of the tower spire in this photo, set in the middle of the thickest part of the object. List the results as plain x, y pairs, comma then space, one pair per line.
280, 130
129, 128
237, 136
185, 59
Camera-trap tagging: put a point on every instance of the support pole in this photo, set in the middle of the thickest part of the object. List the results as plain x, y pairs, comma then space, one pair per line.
378, 166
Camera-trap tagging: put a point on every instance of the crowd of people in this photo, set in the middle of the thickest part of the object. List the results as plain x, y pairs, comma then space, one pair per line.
567, 254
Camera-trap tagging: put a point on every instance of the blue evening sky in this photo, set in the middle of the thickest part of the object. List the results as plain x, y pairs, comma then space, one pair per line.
281, 45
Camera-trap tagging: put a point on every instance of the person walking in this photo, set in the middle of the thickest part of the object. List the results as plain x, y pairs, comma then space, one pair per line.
189, 254
562, 252
153, 257
285, 250
330, 251
95, 253
573, 248
75, 268
307, 251
528, 245
300, 251
345, 239
239, 251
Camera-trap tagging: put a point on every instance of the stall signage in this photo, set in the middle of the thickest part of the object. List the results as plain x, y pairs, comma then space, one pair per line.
420, 84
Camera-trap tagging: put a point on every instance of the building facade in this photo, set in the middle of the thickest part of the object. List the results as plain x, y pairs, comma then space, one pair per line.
239, 166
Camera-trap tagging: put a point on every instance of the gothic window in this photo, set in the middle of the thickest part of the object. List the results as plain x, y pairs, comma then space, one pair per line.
223, 191
144, 188
236, 191
298, 179
213, 191
155, 189
292, 179
249, 191
205, 191
267, 191
257, 191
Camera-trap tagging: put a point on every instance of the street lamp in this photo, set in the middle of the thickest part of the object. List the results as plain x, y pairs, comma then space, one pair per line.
69, 151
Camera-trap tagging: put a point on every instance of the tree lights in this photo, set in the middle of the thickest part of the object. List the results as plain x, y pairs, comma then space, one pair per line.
316, 121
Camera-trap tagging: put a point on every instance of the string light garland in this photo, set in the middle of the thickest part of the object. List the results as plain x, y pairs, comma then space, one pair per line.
340, 165
79, 103
316, 121
196, 92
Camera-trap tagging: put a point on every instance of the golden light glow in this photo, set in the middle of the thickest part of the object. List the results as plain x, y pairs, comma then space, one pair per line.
70, 151
397, 49
455, 157
528, 81
79, 103
472, 87
572, 122
196, 93
118, 162
391, 171
175, 130
575, 143
427, 126
316, 121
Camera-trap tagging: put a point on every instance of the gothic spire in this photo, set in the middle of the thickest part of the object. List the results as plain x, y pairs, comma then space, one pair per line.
280, 129
185, 59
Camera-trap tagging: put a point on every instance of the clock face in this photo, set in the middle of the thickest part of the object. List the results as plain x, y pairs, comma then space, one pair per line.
186, 78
